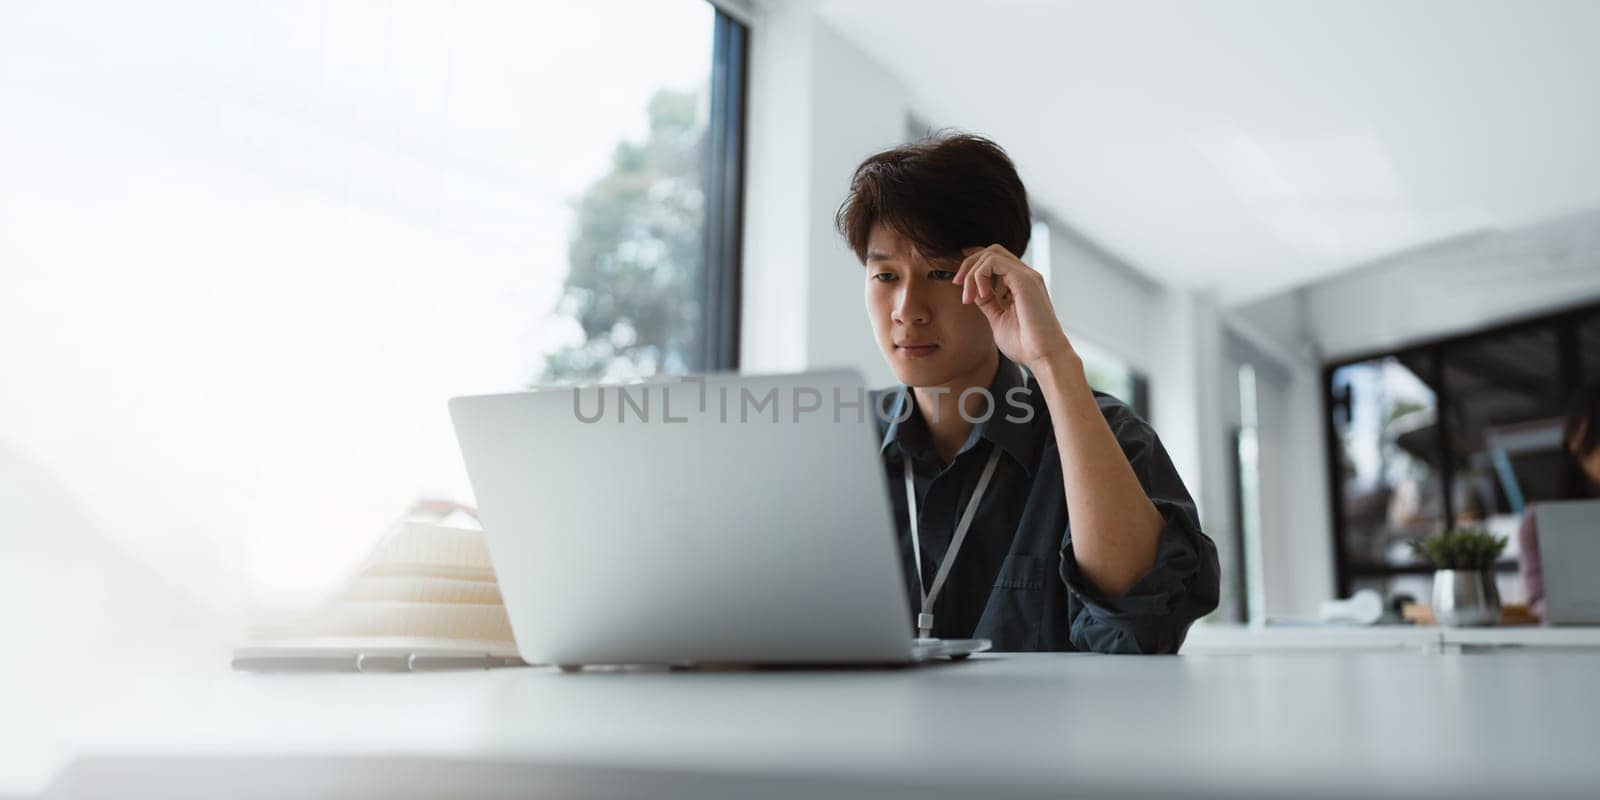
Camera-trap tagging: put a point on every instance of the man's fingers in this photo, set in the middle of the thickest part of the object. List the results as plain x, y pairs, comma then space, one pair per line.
972, 255
982, 273
993, 275
969, 288
970, 258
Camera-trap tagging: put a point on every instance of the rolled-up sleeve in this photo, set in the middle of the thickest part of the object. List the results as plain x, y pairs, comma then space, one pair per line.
1183, 585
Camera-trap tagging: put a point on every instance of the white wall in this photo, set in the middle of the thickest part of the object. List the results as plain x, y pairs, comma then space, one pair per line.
1456, 287
818, 107
1194, 407
859, 108
1099, 297
1295, 545
777, 190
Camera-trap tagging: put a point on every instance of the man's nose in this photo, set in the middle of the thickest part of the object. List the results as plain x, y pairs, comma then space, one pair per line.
911, 306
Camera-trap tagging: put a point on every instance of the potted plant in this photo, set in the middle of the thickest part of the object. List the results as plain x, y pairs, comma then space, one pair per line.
1464, 593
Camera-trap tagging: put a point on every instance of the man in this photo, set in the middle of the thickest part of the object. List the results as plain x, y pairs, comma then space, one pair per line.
1082, 537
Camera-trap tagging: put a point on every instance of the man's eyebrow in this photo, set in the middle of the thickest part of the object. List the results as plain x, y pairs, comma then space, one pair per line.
878, 255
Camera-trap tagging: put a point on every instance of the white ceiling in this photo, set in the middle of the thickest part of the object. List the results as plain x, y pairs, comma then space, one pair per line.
1254, 145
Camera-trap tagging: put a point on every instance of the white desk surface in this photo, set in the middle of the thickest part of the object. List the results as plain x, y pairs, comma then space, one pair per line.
1511, 724
1530, 636
1243, 639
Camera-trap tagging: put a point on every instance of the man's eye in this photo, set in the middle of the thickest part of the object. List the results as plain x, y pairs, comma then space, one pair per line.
885, 277
941, 274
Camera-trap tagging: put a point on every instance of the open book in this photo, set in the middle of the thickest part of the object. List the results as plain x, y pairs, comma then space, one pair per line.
426, 597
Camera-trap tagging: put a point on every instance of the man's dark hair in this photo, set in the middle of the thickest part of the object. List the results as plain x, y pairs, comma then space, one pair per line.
945, 193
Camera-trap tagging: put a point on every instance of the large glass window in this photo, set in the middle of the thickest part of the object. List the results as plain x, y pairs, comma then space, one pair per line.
1506, 407
248, 251
1386, 426
1461, 432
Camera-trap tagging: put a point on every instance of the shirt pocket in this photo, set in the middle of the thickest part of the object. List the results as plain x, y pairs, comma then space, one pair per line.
1016, 605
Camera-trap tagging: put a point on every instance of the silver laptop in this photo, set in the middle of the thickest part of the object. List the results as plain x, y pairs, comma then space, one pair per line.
1569, 550
709, 520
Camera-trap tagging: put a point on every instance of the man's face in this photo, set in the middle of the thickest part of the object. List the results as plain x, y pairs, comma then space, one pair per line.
928, 335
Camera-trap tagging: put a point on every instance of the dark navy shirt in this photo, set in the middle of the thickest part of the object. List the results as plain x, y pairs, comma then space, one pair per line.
1015, 581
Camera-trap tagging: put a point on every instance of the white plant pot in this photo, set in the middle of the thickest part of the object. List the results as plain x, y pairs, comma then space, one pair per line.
1465, 598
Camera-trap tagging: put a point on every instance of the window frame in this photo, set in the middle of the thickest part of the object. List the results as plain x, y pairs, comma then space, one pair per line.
721, 278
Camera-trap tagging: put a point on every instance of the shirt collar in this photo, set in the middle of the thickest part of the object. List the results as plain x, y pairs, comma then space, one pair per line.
908, 432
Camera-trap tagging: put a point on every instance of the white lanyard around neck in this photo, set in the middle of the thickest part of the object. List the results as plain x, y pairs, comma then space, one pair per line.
930, 594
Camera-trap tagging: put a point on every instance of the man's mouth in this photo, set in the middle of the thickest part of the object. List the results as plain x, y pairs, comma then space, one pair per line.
916, 350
